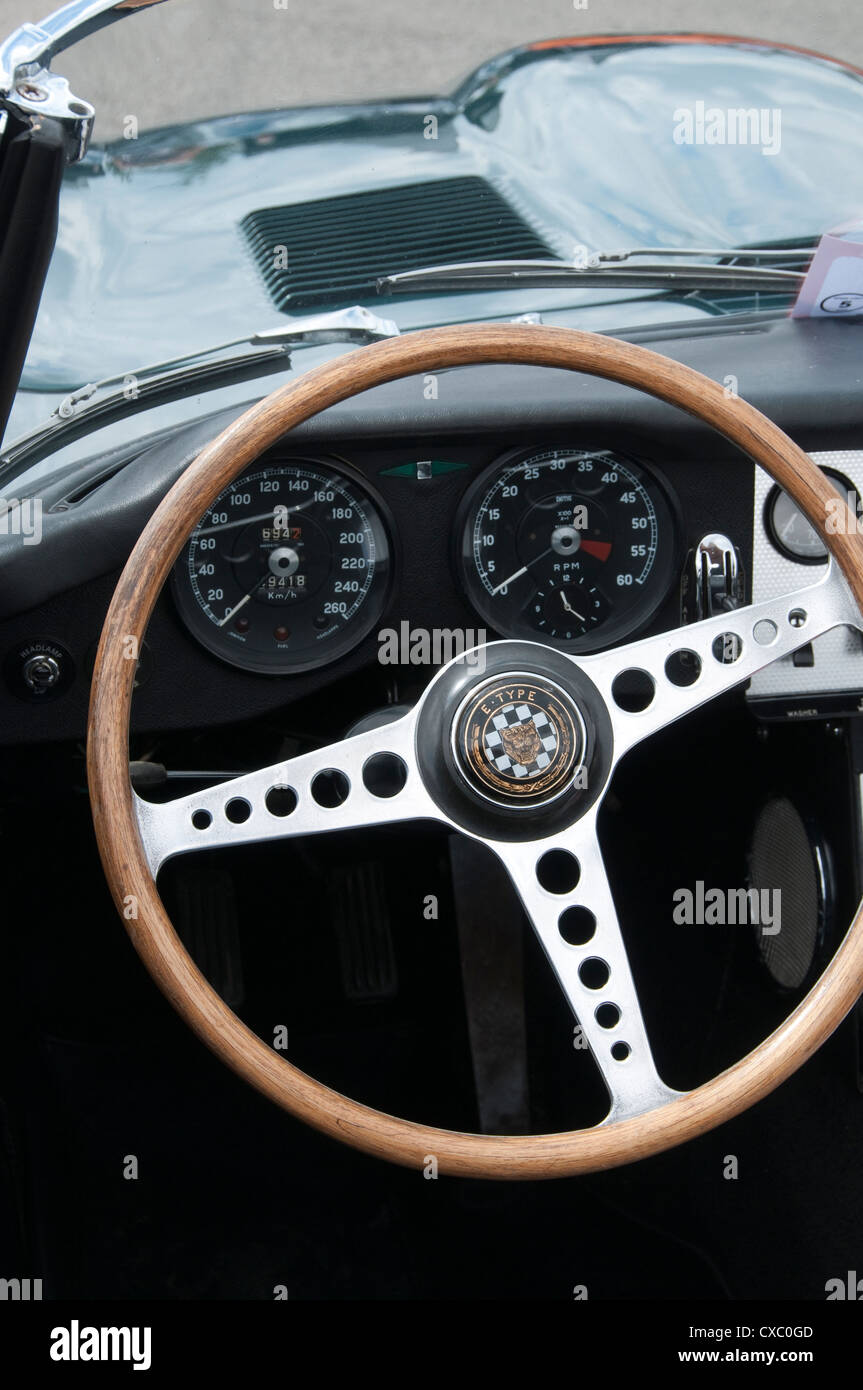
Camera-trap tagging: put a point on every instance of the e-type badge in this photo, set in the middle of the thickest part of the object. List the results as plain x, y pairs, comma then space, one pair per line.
518, 740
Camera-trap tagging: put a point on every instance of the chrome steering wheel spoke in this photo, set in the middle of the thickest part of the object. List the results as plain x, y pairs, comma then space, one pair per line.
367, 780
679, 670
580, 933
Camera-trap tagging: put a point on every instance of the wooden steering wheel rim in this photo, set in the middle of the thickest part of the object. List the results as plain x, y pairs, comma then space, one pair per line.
386, 1136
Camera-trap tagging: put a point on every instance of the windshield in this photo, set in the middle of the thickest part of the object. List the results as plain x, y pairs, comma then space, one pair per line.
187, 224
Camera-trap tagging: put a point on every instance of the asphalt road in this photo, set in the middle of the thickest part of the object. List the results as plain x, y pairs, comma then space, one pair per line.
189, 58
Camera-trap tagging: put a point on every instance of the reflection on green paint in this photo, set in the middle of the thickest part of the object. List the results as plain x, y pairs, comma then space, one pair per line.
432, 467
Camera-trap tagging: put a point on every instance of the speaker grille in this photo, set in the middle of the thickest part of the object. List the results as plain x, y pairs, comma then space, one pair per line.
782, 857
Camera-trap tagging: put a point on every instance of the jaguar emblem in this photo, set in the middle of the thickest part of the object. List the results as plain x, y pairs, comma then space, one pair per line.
521, 743
519, 740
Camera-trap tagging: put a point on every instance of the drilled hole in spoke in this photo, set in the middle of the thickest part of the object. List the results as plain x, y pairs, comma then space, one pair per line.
765, 631
683, 668
607, 1015
633, 690
330, 788
202, 820
620, 1051
281, 801
238, 810
727, 648
593, 973
558, 871
798, 617
384, 774
576, 925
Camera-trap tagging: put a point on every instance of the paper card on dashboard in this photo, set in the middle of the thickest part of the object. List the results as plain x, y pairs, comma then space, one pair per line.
833, 287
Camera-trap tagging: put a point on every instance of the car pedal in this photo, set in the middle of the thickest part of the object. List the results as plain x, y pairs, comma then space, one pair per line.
204, 912
490, 928
360, 913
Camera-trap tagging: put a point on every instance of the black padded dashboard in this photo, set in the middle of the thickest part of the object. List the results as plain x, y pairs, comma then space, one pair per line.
808, 376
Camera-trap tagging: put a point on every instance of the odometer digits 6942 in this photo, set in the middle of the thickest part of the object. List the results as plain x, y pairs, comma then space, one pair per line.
571, 546
288, 569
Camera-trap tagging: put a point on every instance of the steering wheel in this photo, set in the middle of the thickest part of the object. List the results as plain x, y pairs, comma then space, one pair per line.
454, 759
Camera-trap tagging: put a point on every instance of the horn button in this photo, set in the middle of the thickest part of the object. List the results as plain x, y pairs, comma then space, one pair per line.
519, 740
517, 748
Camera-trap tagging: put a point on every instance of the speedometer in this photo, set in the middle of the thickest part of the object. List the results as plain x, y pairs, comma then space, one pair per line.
571, 546
288, 570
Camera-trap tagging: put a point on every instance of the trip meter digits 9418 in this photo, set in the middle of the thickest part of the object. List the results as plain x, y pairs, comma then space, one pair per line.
572, 547
288, 570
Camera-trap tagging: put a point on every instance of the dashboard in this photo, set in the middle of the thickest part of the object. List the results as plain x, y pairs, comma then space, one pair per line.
824, 678
514, 502
291, 568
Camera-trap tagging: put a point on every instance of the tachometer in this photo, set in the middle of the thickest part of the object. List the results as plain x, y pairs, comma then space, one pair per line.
288, 570
571, 546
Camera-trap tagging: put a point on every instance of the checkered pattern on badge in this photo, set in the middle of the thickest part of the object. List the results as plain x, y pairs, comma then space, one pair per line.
505, 719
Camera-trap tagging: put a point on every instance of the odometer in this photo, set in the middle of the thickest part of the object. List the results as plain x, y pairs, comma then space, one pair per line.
288, 570
571, 546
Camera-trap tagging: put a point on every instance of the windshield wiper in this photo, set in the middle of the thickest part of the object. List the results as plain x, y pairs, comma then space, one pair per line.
787, 251
715, 268
99, 402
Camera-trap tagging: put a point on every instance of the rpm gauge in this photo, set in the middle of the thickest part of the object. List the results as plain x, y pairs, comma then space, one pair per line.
288, 570
572, 547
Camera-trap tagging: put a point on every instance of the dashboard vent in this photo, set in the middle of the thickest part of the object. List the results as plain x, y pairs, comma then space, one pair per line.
336, 248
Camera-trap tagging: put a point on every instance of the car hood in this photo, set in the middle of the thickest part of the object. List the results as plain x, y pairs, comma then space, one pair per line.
155, 258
